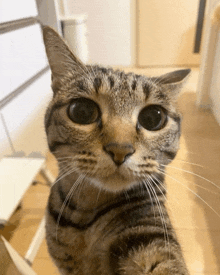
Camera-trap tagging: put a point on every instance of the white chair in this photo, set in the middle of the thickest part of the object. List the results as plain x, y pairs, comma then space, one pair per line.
11, 263
16, 175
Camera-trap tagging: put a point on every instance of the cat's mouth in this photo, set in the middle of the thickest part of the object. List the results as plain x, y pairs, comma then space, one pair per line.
122, 178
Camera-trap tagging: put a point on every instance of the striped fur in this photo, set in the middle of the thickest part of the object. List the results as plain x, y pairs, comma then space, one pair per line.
106, 213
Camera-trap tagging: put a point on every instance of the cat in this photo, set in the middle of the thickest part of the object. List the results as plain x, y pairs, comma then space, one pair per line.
112, 133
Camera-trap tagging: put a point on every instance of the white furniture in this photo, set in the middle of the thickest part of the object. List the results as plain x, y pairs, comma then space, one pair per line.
16, 175
11, 263
25, 92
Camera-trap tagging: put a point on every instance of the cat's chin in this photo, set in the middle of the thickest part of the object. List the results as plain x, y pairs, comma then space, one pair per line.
115, 182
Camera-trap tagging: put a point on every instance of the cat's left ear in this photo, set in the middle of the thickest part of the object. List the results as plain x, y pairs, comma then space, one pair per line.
173, 81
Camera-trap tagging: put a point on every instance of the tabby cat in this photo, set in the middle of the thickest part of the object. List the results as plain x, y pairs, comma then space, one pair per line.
112, 134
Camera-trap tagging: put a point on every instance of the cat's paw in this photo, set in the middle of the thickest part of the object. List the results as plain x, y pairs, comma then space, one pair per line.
142, 263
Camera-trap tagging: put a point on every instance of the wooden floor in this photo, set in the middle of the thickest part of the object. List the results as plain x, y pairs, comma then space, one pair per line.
193, 202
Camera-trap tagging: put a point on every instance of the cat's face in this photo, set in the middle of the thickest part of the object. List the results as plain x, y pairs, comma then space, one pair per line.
113, 127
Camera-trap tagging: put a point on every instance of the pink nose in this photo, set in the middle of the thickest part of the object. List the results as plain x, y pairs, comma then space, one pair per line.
119, 152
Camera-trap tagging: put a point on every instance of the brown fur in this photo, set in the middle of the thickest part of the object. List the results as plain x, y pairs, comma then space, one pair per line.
106, 212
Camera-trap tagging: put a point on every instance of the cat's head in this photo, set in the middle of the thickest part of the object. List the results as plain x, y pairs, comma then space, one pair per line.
118, 129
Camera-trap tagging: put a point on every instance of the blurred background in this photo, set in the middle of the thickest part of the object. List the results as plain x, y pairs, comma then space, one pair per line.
149, 37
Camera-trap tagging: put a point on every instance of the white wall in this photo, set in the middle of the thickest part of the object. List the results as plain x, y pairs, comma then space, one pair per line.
11, 10
22, 56
109, 29
215, 82
208, 91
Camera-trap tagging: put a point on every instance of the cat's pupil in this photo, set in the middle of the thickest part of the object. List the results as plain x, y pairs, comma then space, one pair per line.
83, 111
152, 118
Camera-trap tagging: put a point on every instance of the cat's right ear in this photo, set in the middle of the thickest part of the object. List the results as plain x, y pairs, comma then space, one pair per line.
62, 61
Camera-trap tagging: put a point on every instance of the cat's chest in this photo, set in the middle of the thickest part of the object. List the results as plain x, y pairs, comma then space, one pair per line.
82, 207
83, 218
89, 207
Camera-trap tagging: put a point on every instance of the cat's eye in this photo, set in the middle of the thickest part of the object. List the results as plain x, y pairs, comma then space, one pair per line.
83, 111
153, 118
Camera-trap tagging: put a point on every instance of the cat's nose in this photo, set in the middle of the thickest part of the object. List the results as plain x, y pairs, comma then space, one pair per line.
119, 152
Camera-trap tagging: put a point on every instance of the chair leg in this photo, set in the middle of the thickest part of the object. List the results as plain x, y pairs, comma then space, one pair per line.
40, 234
36, 242
11, 262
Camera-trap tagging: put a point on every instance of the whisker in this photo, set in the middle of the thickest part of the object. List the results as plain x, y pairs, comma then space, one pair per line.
65, 174
215, 193
192, 173
193, 193
161, 213
148, 191
79, 190
195, 164
161, 209
63, 170
75, 185
83, 177
154, 179
162, 185
97, 199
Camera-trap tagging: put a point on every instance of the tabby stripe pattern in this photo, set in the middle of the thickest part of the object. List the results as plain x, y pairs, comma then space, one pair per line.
112, 133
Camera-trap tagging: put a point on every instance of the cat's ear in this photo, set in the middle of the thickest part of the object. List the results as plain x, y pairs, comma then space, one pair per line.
173, 81
62, 61
174, 78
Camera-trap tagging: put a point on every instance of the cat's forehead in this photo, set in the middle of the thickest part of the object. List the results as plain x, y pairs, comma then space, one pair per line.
121, 84
120, 91
115, 91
